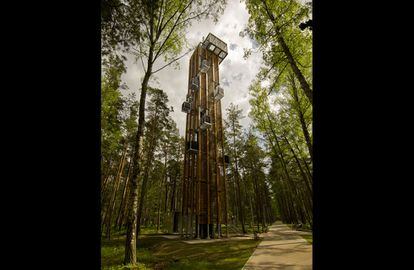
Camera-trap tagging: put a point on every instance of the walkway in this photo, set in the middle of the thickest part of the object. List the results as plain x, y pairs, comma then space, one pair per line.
281, 248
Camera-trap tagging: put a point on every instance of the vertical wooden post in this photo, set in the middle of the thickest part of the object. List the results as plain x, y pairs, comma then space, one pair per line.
199, 155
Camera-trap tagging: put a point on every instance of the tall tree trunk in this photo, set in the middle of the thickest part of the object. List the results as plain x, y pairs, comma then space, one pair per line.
240, 205
279, 152
123, 199
112, 202
150, 156
235, 204
301, 117
108, 193
305, 163
236, 173
258, 201
159, 205
302, 172
174, 186
165, 185
130, 245
303, 83
106, 174
251, 212
143, 193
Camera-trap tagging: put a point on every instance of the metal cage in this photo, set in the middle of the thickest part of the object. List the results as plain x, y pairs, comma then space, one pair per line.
186, 107
192, 146
215, 45
195, 84
204, 66
205, 122
218, 93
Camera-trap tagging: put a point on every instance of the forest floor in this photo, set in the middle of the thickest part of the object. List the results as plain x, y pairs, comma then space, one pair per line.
282, 248
160, 252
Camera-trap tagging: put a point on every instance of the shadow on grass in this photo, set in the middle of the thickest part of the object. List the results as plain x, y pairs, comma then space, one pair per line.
160, 253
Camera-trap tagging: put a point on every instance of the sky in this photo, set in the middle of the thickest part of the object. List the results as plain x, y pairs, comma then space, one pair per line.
236, 73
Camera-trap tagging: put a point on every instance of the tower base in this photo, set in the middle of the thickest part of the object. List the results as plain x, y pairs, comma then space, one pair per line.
203, 230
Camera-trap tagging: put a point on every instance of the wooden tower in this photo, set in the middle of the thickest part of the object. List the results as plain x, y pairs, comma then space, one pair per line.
204, 202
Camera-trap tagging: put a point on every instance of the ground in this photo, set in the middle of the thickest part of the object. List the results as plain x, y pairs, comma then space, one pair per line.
159, 252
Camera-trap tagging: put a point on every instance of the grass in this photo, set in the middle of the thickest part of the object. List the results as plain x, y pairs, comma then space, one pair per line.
308, 238
237, 230
156, 252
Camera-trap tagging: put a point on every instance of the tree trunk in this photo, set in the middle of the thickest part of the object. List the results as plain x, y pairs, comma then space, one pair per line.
258, 201
291, 185
109, 196
302, 172
236, 174
308, 172
123, 199
251, 212
130, 245
150, 156
159, 206
303, 83
174, 186
106, 175
302, 118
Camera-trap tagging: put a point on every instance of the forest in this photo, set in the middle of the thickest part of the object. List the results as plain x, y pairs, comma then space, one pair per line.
269, 176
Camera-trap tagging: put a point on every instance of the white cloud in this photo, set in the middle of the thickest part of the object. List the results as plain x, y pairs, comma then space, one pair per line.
236, 73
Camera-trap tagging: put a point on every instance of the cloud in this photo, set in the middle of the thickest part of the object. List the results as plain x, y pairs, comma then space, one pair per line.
233, 46
225, 81
237, 76
255, 45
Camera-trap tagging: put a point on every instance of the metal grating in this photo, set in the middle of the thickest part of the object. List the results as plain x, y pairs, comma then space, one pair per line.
215, 45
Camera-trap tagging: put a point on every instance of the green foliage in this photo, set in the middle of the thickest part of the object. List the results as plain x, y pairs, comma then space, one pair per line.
270, 20
290, 172
280, 112
112, 104
233, 130
119, 19
308, 237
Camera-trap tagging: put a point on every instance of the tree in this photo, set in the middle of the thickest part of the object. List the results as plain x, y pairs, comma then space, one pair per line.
282, 134
118, 114
233, 130
111, 126
111, 106
300, 106
253, 162
158, 112
163, 25
119, 19
171, 153
274, 25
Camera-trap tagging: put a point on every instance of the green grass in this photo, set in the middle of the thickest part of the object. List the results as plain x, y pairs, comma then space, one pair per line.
249, 229
305, 227
308, 238
159, 253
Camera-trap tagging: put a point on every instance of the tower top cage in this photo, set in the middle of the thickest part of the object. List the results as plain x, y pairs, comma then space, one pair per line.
215, 45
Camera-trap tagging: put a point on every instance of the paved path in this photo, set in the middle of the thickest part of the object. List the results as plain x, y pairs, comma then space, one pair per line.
283, 249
